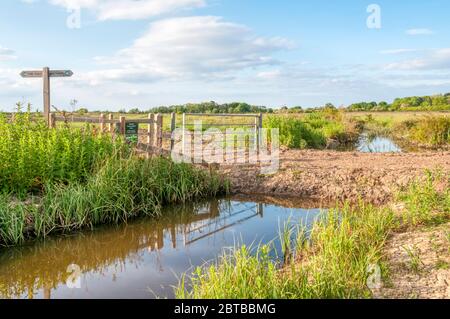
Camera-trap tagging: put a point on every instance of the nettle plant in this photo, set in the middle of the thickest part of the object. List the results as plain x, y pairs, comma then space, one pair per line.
31, 154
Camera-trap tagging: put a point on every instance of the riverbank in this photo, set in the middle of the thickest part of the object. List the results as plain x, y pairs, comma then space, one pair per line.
353, 252
119, 190
337, 176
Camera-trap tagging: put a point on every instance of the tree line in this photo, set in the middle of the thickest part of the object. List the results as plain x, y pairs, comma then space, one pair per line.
439, 102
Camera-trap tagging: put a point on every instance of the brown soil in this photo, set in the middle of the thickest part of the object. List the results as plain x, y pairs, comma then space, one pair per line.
337, 176
425, 276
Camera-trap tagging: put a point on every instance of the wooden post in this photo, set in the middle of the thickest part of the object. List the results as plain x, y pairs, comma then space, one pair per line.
46, 79
52, 120
183, 139
172, 129
110, 125
260, 125
150, 134
102, 123
122, 125
159, 126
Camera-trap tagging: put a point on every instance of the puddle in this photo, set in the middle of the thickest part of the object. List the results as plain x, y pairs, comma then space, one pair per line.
377, 144
145, 258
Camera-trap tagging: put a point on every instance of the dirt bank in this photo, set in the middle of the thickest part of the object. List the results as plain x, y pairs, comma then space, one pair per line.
332, 176
419, 264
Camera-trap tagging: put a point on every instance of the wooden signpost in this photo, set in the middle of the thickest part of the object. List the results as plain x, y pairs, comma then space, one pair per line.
46, 74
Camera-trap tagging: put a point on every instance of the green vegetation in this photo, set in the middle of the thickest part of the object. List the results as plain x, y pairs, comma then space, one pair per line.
121, 189
427, 130
439, 102
415, 263
313, 130
332, 261
207, 107
58, 180
32, 155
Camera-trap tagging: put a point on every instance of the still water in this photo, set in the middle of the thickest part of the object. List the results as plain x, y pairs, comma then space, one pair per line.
377, 144
145, 258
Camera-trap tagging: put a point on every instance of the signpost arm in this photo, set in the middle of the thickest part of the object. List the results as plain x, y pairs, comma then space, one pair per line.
46, 79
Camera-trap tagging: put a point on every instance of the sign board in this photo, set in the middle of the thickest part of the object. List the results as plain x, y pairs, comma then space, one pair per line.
31, 74
45, 75
52, 74
131, 131
131, 128
61, 73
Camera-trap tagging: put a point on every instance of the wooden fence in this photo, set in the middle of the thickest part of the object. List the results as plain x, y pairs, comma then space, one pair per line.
149, 140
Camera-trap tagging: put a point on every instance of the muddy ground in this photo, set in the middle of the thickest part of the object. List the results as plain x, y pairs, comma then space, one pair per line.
419, 264
336, 176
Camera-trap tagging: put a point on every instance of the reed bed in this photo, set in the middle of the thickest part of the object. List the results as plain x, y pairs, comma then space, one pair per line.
120, 190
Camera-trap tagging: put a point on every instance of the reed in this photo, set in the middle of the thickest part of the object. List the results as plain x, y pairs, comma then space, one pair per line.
331, 261
120, 190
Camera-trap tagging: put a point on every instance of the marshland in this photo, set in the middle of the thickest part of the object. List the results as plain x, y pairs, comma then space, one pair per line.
140, 226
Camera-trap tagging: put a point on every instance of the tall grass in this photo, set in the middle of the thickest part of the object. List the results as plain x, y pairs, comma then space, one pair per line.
340, 248
427, 201
430, 130
314, 130
332, 263
32, 155
120, 190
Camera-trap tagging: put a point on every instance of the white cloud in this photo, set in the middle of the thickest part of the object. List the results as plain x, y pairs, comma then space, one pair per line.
422, 31
398, 51
128, 9
7, 54
191, 47
435, 60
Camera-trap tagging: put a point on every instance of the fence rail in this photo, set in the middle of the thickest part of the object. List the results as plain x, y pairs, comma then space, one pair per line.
152, 143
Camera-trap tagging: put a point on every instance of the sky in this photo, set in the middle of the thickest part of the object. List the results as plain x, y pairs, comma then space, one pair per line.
147, 53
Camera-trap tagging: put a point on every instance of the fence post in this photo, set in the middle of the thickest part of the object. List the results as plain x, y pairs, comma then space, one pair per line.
150, 134
260, 125
159, 125
102, 123
172, 129
122, 125
183, 141
52, 120
110, 125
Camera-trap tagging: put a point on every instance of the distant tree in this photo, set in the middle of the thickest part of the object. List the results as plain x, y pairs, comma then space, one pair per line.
82, 111
134, 111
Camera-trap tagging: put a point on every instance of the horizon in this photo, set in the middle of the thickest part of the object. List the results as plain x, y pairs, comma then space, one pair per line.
156, 53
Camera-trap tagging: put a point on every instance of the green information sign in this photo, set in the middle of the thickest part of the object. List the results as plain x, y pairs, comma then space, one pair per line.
131, 130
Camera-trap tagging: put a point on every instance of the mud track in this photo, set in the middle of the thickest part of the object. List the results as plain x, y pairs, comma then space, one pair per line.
337, 176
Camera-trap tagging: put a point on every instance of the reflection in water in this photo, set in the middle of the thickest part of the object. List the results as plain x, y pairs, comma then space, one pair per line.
369, 143
143, 259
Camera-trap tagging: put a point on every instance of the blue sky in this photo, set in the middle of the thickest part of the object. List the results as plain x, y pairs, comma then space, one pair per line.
145, 53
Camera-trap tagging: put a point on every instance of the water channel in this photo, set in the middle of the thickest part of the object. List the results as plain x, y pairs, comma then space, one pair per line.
145, 258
